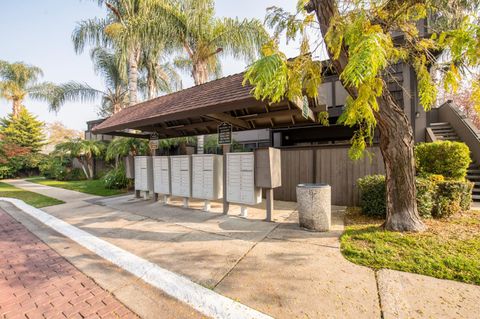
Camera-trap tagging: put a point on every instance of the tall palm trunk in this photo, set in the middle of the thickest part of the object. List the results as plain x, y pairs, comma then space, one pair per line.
16, 107
396, 140
200, 76
151, 86
133, 76
117, 107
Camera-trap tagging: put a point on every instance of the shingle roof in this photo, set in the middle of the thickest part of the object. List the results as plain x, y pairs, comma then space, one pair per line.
179, 104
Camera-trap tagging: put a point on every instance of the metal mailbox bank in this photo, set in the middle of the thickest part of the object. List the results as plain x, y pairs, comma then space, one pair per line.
143, 175
207, 177
161, 176
181, 177
241, 187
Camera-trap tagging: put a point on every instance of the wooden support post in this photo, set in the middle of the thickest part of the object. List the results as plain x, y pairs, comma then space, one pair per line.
226, 149
269, 199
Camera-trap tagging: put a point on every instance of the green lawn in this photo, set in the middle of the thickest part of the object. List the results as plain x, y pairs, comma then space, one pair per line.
94, 187
34, 199
449, 249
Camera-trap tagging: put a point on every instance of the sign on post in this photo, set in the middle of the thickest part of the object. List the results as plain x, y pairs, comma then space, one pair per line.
153, 143
305, 107
224, 134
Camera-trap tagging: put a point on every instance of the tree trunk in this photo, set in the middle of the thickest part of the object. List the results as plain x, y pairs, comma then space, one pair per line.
396, 145
151, 87
396, 139
133, 77
200, 76
16, 107
116, 108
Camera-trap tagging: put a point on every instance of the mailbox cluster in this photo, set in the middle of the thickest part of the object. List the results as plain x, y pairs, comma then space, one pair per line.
201, 176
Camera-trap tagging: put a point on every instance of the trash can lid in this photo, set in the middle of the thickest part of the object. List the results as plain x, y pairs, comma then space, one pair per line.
313, 185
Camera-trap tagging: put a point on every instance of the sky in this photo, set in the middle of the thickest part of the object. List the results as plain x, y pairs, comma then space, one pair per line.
39, 33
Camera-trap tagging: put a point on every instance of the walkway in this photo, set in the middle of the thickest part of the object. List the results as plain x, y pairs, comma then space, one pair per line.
275, 268
36, 282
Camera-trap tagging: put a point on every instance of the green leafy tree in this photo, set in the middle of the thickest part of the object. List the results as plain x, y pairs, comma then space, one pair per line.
84, 151
24, 130
19, 80
362, 40
126, 146
113, 98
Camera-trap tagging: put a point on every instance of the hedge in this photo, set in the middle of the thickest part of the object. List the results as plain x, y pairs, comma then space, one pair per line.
447, 158
436, 197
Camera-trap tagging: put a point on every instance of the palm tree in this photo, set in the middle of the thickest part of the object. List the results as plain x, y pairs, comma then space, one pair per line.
117, 31
19, 80
158, 77
113, 98
125, 146
82, 150
191, 26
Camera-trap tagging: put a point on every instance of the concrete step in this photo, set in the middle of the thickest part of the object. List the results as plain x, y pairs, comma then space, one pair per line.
446, 134
474, 171
476, 198
442, 128
473, 177
449, 138
440, 124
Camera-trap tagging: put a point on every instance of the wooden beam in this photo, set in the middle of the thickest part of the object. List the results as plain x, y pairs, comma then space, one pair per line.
298, 102
222, 117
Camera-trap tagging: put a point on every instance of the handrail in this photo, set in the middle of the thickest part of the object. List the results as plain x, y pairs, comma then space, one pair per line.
464, 128
430, 136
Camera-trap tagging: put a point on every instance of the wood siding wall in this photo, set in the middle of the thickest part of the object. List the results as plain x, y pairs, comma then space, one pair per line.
330, 165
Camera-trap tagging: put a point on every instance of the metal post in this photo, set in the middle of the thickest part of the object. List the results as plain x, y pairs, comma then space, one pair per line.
269, 199
226, 149
137, 194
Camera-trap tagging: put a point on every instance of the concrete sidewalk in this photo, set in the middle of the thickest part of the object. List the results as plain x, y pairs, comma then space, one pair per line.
276, 268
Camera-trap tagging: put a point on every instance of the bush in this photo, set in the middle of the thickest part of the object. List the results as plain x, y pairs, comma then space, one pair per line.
426, 189
116, 178
446, 158
373, 195
435, 197
452, 197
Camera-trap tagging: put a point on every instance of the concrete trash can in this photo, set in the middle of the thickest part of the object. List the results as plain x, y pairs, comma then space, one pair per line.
314, 206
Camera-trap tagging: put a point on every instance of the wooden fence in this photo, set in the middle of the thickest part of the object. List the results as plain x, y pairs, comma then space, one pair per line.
326, 164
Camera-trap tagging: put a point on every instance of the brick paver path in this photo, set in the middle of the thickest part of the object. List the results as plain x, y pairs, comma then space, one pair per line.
36, 282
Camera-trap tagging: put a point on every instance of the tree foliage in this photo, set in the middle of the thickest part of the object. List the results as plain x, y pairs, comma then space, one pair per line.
19, 80
23, 131
367, 38
84, 151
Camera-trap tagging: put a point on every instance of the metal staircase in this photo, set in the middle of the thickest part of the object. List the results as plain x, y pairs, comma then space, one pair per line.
443, 131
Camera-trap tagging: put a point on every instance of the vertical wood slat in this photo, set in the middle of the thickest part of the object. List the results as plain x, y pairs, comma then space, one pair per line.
332, 166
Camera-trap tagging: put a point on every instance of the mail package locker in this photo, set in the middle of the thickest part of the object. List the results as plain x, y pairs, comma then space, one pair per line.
161, 175
207, 176
241, 179
143, 173
180, 171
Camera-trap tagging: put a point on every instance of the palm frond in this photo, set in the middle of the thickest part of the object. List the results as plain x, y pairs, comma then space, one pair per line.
70, 92
90, 32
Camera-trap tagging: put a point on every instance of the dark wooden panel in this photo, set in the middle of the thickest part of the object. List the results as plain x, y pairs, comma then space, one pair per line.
330, 165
